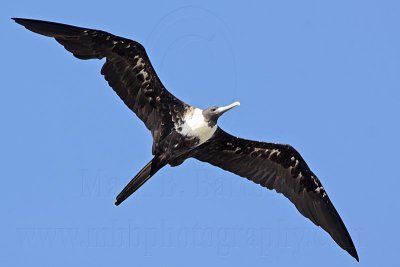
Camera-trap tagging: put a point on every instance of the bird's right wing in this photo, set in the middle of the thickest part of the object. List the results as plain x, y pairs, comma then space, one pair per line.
127, 69
278, 167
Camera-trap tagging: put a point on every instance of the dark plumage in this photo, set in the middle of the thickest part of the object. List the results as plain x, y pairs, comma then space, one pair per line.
181, 131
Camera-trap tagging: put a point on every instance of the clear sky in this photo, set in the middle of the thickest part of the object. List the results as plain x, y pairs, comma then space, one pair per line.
323, 76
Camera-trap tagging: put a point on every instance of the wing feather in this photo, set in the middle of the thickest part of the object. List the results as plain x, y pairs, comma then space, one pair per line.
278, 167
127, 70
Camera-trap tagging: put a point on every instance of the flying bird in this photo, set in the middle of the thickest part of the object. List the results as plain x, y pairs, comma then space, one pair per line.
182, 131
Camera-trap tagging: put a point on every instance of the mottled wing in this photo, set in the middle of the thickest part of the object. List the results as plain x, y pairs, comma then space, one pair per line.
127, 69
278, 167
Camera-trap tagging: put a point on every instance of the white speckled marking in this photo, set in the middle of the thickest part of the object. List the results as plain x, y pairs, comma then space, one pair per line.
139, 63
319, 189
273, 152
144, 73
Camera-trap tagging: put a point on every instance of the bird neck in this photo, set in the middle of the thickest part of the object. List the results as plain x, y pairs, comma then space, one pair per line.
209, 119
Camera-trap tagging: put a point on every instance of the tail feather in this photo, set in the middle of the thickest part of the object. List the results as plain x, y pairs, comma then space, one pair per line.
145, 174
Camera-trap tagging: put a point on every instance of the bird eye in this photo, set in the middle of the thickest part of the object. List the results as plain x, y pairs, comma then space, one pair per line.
213, 109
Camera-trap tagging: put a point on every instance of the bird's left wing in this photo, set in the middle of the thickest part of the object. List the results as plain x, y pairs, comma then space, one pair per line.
127, 69
278, 167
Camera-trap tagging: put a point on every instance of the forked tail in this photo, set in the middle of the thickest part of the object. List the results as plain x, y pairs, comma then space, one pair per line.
145, 174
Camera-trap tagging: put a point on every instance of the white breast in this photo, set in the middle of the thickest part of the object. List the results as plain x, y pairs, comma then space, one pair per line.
195, 125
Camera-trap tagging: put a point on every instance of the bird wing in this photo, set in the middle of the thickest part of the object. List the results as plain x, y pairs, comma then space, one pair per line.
127, 69
279, 167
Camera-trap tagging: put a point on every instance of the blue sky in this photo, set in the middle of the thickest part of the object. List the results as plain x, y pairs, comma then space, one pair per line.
320, 75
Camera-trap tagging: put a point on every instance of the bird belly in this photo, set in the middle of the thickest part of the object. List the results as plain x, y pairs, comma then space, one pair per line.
195, 126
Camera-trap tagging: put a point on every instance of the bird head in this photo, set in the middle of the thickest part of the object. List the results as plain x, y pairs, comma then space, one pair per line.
212, 114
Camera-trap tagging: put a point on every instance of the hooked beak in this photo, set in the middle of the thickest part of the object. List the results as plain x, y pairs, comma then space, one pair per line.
222, 110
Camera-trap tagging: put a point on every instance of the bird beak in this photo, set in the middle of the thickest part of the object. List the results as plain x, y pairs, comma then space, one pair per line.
222, 110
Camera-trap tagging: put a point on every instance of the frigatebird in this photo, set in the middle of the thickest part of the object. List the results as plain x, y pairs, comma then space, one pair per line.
182, 131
